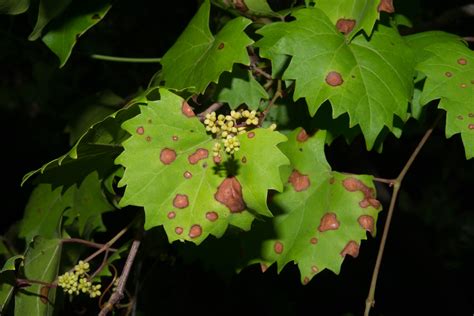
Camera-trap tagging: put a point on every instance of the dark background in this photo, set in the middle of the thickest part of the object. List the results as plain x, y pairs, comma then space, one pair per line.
428, 262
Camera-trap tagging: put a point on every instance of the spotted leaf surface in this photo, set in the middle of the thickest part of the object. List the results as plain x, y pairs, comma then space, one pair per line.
351, 16
201, 56
450, 78
170, 171
369, 80
324, 214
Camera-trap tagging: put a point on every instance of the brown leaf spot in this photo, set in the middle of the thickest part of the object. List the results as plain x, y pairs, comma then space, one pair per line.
171, 215
175, 138
148, 138
300, 182
199, 154
313, 240
217, 159
305, 280
460, 117
140, 130
302, 136
328, 222
462, 61
352, 249
352, 184
178, 230
367, 223
345, 26
96, 17
229, 193
448, 74
334, 79
314, 269
241, 6
180, 201
374, 202
221, 46
195, 231
149, 121
244, 159
167, 156
332, 180
470, 126
386, 6
187, 175
44, 293
364, 203
187, 110
471, 115
263, 267
278, 247
463, 85
212, 216
251, 135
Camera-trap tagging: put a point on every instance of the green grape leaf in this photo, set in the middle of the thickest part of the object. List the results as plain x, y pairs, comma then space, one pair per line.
370, 80
10, 264
44, 211
41, 263
351, 16
64, 33
95, 150
240, 87
14, 6
259, 8
171, 172
420, 41
198, 58
48, 10
324, 214
450, 77
88, 204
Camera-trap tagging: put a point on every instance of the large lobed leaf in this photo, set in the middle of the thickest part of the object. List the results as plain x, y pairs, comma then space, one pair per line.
371, 80
324, 214
198, 58
170, 171
450, 77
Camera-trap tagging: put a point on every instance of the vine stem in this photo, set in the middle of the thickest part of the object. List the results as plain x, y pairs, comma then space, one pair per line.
125, 59
213, 107
370, 301
278, 94
86, 242
119, 293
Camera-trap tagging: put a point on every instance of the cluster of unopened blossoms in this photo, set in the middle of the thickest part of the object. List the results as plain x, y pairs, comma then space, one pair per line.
77, 281
227, 127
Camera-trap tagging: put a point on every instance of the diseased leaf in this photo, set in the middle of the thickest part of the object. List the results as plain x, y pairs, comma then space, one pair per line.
420, 41
48, 10
450, 78
240, 87
171, 172
41, 263
351, 16
201, 56
324, 214
14, 6
369, 80
79, 18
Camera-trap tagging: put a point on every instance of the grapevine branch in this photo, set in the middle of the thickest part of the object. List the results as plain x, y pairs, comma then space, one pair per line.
396, 183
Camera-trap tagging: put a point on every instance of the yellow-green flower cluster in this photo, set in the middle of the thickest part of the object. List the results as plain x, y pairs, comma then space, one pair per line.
77, 281
227, 127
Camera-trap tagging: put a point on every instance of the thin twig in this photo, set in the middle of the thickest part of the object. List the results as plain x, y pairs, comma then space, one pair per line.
213, 107
86, 242
27, 282
125, 59
278, 94
102, 265
261, 72
118, 294
370, 301
390, 182
469, 39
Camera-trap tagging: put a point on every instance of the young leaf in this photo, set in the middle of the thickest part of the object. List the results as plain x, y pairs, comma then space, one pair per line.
351, 16
10, 264
64, 34
240, 87
198, 58
324, 214
41, 263
14, 6
450, 77
170, 171
371, 80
